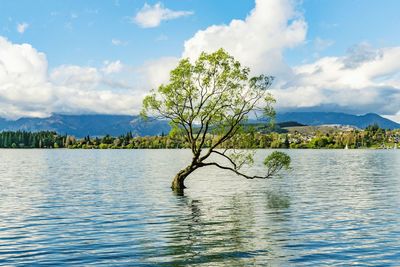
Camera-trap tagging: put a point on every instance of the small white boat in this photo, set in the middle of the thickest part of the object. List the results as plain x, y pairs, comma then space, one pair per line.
347, 147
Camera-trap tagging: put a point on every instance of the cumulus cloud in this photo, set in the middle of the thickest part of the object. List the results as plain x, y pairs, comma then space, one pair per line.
95, 90
21, 27
395, 118
259, 40
364, 80
112, 67
152, 16
26, 88
156, 72
76, 101
23, 80
75, 76
360, 53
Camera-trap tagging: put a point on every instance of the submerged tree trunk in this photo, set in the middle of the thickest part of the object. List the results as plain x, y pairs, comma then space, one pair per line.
179, 179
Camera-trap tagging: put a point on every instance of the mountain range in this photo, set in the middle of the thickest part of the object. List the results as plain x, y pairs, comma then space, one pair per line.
323, 118
100, 125
93, 125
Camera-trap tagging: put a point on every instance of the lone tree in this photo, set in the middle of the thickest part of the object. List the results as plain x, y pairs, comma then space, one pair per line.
214, 97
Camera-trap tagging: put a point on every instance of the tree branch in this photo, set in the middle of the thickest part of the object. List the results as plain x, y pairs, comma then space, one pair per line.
269, 174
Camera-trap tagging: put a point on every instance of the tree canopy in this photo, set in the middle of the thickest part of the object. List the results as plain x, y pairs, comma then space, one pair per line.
214, 95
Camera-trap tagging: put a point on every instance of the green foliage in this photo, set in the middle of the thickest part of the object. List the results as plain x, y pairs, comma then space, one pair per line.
23, 139
208, 102
373, 128
320, 142
276, 161
103, 146
241, 158
242, 140
215, 93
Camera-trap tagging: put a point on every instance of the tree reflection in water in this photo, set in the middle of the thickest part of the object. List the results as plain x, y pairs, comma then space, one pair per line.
228, 230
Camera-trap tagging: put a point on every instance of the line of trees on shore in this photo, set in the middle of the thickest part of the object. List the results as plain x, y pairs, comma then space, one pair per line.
371, 137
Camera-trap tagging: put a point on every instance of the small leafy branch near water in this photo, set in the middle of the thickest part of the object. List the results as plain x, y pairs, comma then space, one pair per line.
277, 161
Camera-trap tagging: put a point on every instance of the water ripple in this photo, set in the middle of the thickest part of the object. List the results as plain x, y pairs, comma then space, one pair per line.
115, 208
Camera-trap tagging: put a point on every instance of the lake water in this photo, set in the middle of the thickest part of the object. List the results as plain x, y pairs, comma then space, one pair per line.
115, 208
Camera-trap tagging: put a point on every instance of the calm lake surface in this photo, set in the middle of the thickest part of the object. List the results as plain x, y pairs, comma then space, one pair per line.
115, 208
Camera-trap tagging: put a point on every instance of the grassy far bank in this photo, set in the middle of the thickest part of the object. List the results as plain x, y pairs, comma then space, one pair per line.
372, 137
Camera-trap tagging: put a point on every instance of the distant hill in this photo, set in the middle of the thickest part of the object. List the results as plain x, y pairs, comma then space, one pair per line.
289, 124
100, 125
323, 118
93, 125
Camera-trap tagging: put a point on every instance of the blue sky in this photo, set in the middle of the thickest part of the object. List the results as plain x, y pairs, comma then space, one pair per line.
347, 23
117, 51
80, 32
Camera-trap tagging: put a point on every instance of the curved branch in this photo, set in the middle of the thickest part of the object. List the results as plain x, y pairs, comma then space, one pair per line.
268, 176
228, 158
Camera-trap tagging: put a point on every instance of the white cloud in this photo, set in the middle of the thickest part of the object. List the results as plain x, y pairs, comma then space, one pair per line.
152, 16
75, 101
112, 67
26, 88
118, 42
22, 27
395, 118
75, 76
156, 72
362, 81
259, 40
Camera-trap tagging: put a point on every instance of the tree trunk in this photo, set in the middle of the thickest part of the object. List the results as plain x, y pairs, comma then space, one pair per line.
178, 182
